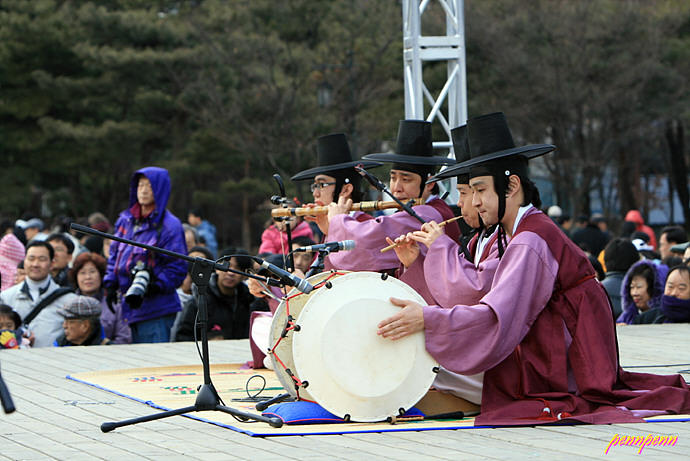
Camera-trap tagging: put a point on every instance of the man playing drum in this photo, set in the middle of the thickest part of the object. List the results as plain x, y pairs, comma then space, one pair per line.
413, 163
445, 275
543, 334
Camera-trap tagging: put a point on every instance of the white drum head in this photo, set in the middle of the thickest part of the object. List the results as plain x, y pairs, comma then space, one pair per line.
283, 350
350, 369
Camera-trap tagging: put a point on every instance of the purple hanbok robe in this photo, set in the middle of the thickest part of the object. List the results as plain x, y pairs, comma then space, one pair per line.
444, 277
370, 236
545, 337
358, 216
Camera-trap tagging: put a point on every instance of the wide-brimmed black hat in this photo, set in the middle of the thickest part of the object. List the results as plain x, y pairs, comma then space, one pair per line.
461, 148
490, 139
334, 155
414, 146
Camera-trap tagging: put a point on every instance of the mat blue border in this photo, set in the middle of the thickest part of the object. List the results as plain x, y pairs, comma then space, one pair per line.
357, 431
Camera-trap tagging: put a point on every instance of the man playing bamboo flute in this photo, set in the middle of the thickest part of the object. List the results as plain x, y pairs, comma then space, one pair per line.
445, 274
543, 334
469, 278
413, 163
334, 177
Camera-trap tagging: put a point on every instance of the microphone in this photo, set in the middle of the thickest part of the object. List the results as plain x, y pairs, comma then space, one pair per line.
285, 277
331, 247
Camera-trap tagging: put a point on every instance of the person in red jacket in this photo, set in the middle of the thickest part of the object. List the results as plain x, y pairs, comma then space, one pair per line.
636, 217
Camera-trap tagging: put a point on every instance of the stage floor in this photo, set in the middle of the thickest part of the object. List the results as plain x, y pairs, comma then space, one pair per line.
57, 418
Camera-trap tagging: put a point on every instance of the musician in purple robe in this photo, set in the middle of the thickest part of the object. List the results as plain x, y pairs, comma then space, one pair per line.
450, 272
544, 334
334, 177
413, 163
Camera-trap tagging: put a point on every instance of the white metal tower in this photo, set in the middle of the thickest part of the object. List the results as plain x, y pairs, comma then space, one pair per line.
450, 48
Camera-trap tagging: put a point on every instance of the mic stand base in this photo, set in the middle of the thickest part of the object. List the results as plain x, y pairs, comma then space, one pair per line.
207, 399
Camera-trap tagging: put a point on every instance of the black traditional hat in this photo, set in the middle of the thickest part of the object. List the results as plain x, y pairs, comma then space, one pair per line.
461, 148
334, 159
414, 146
493, 153
492, 146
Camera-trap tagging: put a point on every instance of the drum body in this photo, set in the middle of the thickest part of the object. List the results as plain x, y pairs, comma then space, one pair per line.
351, 371
282, 357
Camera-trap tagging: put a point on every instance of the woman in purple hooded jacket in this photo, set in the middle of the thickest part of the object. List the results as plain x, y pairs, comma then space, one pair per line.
642, 289
147, 221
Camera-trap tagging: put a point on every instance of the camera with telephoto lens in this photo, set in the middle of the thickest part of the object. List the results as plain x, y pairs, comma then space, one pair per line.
140, 285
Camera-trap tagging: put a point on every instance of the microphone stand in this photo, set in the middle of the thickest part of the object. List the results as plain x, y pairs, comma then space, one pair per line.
318, 264
207, 397
291, 258
376, 182
6, 398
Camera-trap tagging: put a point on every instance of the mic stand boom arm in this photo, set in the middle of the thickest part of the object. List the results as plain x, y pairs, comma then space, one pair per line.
225, 266
207, 397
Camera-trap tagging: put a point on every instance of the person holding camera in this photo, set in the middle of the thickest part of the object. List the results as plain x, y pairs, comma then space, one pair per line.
145, 280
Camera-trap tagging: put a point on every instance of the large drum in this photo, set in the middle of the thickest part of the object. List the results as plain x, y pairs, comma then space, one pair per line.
336, 355
280, 336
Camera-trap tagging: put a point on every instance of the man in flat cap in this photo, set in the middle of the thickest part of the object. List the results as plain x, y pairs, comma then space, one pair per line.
82, 323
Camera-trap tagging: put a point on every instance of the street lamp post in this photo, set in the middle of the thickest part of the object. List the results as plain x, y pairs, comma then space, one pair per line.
324, 94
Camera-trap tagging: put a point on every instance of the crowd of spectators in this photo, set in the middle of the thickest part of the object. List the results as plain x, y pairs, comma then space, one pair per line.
59, 287
648, 282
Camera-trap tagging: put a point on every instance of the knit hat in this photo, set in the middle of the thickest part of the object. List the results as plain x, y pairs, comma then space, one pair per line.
34, 223
12, 252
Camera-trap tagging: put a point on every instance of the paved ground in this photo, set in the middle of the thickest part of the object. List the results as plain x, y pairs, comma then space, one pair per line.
57, 418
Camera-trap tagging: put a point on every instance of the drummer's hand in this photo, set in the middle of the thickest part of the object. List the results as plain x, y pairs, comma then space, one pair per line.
255, 288
407, 249
428, 234
320, 220
342, 207
409, 320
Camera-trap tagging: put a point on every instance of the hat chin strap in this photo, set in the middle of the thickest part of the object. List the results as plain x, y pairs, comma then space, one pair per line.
501, 186
423, 185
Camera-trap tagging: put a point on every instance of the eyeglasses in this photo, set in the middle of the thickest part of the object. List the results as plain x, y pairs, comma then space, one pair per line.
320, 186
